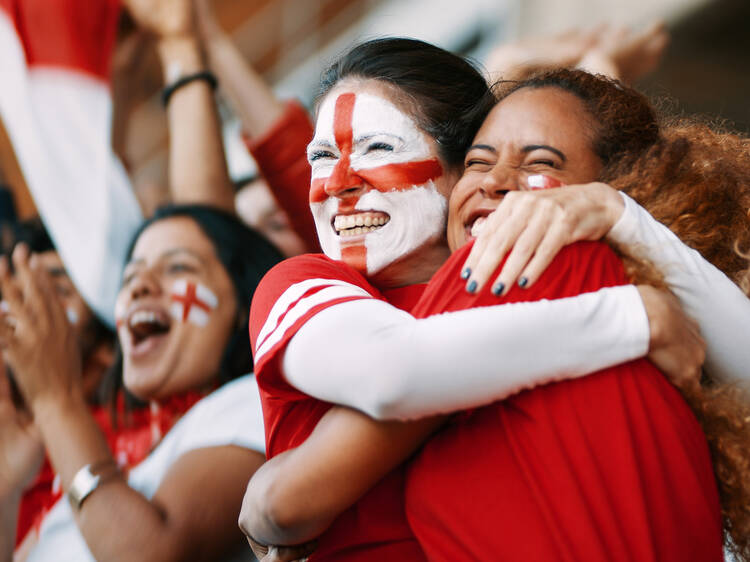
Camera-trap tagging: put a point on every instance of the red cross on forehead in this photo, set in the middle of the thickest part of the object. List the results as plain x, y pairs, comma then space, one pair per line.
188, 300
388, 177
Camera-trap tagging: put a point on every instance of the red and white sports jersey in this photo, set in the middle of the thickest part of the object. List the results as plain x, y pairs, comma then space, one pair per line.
375, 528
612, 466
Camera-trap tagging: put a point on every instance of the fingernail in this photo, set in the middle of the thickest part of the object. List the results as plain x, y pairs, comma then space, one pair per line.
471, 287
522, 282
465, 273
498, 289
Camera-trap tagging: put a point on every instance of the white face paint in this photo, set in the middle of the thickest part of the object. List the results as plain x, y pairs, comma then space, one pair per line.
365, 144
192, 302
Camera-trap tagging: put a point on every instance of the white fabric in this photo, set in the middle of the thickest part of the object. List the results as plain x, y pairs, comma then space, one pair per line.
59, 122
393, 366
229, 416
721, 309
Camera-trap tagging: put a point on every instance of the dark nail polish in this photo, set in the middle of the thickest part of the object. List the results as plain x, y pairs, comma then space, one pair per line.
471, 287
465, 273
522, 282
498, 289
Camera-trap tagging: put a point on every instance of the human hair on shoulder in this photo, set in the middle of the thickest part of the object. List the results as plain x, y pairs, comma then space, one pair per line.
448, 95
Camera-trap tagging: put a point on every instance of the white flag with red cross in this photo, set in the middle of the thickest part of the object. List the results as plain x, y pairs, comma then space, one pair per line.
56, 106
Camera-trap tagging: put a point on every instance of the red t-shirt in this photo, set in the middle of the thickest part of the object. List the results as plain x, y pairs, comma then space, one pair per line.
375, 528
612, 466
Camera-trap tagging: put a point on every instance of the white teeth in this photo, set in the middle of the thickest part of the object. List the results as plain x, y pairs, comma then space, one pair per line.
478, 225
145, 317
353, 225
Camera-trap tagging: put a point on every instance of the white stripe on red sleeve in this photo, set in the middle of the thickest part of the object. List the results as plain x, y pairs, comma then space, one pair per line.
298, 300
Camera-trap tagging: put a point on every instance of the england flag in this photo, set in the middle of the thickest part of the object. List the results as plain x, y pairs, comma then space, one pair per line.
56, 106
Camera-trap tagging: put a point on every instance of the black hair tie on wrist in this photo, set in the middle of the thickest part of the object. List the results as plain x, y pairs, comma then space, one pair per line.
206, 75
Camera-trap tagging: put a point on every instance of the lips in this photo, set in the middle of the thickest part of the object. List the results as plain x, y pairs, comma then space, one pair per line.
147, 327
474, 224
360, 223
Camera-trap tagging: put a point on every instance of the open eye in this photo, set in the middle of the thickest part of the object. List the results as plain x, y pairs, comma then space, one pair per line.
372, 147
176, 268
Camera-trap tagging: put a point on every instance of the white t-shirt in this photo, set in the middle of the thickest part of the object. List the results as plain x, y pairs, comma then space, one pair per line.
229, 416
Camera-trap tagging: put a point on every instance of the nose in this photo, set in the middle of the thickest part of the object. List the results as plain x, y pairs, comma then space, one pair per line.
343, 181
144, 284
499, 181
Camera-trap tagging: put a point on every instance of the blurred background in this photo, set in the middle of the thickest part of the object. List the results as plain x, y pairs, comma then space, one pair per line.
706, 68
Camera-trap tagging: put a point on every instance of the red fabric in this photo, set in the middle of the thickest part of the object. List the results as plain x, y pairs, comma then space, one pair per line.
129, 443
613, 466
375, 528
281, 155
74, 34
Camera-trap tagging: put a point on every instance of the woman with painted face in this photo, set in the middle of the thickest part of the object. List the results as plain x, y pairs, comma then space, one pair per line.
182, 325
369, 136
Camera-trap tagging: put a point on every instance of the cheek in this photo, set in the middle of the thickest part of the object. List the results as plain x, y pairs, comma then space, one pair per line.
192, 302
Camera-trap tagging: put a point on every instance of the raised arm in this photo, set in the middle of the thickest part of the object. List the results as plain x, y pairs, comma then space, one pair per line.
197, 165
275, 132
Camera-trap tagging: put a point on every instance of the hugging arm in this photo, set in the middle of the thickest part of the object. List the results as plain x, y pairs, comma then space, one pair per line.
408, 368
296, 495
717, 304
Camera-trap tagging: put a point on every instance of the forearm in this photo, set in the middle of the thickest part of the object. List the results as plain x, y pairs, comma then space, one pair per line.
197, 165
716, 303
296, 495
9, 505
250, 95
407, 368
114, 516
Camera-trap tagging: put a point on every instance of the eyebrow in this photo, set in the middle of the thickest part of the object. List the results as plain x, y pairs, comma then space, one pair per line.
319, 144
482, 147
169, 254
377, 133
532, 147
57, 272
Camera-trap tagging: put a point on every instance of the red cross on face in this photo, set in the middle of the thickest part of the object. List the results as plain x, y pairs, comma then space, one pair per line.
195, 301
356, 172
387, 177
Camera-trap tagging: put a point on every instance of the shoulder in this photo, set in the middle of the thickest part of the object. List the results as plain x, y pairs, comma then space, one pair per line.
295, 290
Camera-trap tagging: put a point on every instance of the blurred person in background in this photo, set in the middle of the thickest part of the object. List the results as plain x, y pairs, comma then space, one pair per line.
182, 326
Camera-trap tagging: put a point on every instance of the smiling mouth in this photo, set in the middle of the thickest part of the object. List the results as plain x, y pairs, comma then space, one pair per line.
146, 328
476, 223
359, 223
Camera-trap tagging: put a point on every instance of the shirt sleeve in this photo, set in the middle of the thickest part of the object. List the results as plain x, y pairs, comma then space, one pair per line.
393, 366
709, 296
292, 293
281, 154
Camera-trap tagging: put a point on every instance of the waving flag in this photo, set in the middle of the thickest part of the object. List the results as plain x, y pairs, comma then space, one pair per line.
56, 106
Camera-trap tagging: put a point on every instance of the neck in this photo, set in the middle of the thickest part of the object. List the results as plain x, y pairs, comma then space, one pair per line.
412, 269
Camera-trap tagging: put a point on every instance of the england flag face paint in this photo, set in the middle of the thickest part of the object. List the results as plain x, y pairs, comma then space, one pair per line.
373, 192
192, 302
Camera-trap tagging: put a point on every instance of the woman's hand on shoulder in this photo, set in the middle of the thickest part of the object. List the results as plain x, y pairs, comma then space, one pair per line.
676, 346
531, 227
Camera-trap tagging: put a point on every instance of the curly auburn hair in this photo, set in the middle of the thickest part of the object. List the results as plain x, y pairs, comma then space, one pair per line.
696, 181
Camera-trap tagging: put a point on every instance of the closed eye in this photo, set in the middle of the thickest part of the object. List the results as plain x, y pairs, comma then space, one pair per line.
320, 154
379, 146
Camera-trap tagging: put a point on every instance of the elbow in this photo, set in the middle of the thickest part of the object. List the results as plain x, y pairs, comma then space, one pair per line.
388, 396
271, 514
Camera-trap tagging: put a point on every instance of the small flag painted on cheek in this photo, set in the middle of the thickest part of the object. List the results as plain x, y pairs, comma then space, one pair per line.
192, 302
540, 181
